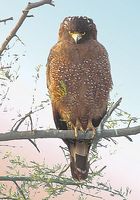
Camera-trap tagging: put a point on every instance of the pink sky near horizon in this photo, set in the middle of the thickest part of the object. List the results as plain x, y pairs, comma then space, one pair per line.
120, 172
116, 172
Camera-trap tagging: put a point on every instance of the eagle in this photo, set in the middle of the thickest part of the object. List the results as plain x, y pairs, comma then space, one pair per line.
79, 82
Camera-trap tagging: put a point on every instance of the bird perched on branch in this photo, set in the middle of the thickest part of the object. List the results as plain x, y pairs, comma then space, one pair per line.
79, 82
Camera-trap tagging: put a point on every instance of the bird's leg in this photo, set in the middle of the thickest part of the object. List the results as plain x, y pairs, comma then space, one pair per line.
77, 127
75, 132
91, 127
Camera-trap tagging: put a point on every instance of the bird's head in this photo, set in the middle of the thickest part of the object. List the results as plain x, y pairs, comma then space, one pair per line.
77, 29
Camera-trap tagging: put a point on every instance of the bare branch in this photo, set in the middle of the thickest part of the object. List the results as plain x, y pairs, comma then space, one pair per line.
7, 19
20, 121
39, 3
68, 134
21, 20
108, 114
30, 15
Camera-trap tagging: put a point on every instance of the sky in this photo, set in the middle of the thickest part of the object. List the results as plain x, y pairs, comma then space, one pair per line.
118, 30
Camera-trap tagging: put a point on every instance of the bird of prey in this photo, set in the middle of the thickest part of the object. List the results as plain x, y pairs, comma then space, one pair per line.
79, 82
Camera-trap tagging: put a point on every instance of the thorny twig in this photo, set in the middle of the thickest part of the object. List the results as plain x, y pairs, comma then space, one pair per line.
67, 182
20, 190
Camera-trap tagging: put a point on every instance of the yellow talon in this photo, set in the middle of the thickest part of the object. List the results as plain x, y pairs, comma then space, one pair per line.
75, 132
77, 127
91, 127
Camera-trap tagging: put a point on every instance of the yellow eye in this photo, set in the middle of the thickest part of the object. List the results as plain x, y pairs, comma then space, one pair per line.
71, 33
83, 33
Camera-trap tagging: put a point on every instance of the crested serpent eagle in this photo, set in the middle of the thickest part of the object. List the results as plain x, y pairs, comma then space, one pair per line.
79, 82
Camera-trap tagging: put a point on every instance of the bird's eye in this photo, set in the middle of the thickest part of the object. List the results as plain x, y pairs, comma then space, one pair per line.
71, 33
83, 33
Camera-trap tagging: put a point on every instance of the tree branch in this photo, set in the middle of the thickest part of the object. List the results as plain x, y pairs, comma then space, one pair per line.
108, 114
5, 20
68, 134
21, 20
20, 190
57, 180
68, 182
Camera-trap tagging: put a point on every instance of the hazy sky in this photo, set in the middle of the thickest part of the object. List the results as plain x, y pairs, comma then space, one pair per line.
118, 30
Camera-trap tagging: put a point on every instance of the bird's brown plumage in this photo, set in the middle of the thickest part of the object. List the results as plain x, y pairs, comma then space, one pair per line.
79, 82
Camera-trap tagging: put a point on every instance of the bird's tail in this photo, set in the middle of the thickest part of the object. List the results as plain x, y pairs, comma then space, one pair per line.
79, 164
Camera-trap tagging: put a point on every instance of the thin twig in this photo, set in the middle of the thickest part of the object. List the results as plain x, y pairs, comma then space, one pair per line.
19, 39
30, 15
65, 168
7, 19
4, 97
20, 121
108, 114
21, 20
87, 194
11, 198
20, 190
33, 142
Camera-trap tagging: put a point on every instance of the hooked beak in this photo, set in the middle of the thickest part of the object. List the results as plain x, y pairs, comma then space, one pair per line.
76, 36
